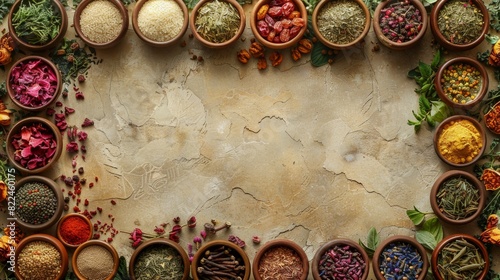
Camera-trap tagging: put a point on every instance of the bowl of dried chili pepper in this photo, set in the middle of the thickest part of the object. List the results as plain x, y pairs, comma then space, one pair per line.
74, 229
492, 119
280, 257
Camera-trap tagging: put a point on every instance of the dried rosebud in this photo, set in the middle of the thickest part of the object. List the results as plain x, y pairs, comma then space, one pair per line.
191, 223
81, 78
79, 95
80, 171
176, 228
203, 234
197, 241
87, 122
176, 220
256, 239
159, 230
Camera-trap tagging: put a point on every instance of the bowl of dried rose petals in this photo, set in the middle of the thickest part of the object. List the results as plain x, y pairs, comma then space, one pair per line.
34, 83
33, 145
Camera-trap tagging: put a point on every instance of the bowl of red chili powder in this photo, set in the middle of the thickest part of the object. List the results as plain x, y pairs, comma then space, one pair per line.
74, 229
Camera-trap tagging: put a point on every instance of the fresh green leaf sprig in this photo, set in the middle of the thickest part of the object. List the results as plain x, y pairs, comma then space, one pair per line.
489, 159
494, 11
429, 230
372, 242
5, 8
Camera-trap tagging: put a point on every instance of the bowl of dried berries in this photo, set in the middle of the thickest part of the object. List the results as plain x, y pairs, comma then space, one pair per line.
492, 119
400, 25
278, 24
34, 83
341, 24
33, 145
217, 24
280, 257
447, 20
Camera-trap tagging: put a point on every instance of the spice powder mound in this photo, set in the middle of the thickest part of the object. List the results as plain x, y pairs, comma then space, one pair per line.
95, 262
460, 142
280, 263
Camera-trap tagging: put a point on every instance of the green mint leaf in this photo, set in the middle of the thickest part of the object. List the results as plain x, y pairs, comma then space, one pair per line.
436, 60
317, 57
369, 251
438, 112
424, 69
433, 226
413, 73
415, 216
426, 239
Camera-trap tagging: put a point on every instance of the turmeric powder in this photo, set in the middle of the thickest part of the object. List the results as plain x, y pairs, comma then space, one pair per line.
460, 142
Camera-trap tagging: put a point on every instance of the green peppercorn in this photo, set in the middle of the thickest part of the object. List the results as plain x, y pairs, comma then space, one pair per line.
36, 203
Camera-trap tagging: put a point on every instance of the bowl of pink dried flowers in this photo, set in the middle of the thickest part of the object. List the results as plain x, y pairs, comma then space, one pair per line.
34, 83
33, 145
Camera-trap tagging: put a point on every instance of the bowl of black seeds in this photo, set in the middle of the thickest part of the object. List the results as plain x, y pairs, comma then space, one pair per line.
39, 203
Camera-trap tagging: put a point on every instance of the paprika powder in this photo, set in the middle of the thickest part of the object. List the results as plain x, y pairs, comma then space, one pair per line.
74, 230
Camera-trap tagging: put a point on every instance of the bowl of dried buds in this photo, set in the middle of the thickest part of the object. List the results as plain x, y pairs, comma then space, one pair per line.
280, 257
278, 24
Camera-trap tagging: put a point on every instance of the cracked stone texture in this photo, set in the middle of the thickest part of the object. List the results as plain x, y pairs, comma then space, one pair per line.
296, 152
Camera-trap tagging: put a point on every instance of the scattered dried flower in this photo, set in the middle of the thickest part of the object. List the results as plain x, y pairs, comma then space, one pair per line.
236, 240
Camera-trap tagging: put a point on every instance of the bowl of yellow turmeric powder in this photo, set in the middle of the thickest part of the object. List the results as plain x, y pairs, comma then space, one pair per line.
459, 140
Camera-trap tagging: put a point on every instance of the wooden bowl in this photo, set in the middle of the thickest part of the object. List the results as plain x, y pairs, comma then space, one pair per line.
105, 26
159, 242
441, 39
384, 40
98, 243
63, 238
436, 254
378, 255
151, 41
12, 93
214, 45
59, 8
41, 237
16, 129
354, 247
334, 45
299, 6
276, 244
492, 119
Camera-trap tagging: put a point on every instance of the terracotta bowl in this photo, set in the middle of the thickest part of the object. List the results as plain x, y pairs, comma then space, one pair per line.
214, 45
440, 38
492, 119
299, 6
150, 41
159, 242
16, 129
274, 245
62, 237
354, 248
436, 254
99, 243
12, 93
378, 255
99, 45
44, 238
59, 8
334, 45
451, 174
450, 120
443, 93
29, 227
384, 40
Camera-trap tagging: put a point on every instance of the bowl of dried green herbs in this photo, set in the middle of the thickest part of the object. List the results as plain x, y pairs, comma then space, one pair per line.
37, 26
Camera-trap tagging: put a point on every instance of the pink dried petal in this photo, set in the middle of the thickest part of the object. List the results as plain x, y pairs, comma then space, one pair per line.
236, 240
59, 104
87, 122
79, 95
62, 125
68, 110
72, 147
82, 136
50, 112
84, 150
203, 234
25, 133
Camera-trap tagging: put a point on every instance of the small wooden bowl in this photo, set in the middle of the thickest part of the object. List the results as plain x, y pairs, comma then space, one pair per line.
448, 121
59, 8
16, 129
339, 242
209, 44
458, 47
299, 6
151, 42
78, 28
12, 94
59, 204
395, 45
159, 242
443, 243
66, 217
482, 92
100, 243
495, 119
396, 239
48, 239
334, 45
272, 245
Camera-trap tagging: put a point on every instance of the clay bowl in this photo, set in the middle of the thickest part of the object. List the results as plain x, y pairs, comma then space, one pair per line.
443, 41
492, 119
444, 93
437, 254
299, 6
342, 243
59, 9
63, 237
10, 83
16, 130
41, 237
378, 256
385, 40
30, 227
446, 123
334, 45
91, 243
274, 245
149, 40
157, 243
105, 25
